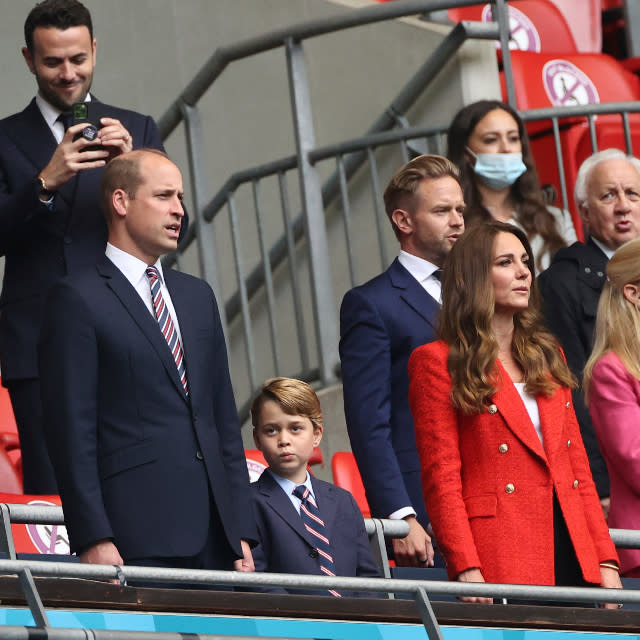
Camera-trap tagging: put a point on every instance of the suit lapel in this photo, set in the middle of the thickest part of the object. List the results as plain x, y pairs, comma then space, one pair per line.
281, 504
511, 407
32, 136
413, 293
136, 308
553, 415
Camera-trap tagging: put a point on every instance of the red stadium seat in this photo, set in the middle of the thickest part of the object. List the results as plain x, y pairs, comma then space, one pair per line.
536, 25
346, 475
38, 538
547, 80
9, 431
10, 481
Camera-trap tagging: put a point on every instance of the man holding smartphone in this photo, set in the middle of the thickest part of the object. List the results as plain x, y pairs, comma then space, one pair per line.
50, 219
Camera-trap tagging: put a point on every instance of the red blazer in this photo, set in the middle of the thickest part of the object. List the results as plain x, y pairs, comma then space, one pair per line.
615, 410
488, 482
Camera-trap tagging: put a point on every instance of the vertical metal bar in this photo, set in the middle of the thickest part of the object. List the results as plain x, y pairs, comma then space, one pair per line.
404, 151
627, 132
200, 196
632, 27
379, 549
500, 15
592, 133
325, 314
560, 159
346, 212
380, 215
268, 280
242, 290
293, 272
426, 613
6, 535
33, 598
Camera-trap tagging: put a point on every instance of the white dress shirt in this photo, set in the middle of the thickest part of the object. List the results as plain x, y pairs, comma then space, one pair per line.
423, 271
134, 270
288, 486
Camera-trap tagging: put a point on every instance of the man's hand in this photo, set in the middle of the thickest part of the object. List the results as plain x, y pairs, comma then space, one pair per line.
473, 575
114, 137
69, 158
416, 549
245, 563
102, 552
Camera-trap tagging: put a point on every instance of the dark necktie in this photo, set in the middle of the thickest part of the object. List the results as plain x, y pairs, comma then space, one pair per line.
166, 324
66, 119
315, 526
437, 274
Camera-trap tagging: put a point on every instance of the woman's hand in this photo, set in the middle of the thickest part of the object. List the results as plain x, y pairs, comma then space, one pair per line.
473, 575
609, 579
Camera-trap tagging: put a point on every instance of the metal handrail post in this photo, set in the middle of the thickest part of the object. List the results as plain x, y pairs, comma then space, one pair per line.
632, 27
426, 613
204, 235
501, 12
311, 196
6, 535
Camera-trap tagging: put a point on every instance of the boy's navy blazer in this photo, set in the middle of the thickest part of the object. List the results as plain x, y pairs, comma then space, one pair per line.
286, 546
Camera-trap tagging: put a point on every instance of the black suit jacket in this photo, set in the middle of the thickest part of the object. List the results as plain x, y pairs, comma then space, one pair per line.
137, 460
287, 547
40, 246
571, 289
381, 323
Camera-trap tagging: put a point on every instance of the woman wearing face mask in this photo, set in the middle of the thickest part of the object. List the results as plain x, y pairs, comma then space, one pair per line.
488, 142
612, 388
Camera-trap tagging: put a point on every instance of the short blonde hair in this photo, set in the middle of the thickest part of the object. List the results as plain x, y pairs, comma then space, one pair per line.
295, 398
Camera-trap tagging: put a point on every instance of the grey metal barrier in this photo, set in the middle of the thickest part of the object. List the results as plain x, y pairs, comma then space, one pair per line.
317, 349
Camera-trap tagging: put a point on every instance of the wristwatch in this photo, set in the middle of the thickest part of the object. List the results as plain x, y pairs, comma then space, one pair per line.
44, 194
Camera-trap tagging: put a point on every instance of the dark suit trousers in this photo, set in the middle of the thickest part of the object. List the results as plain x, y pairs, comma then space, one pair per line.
39, 477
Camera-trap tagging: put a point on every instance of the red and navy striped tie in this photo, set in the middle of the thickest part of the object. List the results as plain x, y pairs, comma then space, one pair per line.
315, 526
166, 324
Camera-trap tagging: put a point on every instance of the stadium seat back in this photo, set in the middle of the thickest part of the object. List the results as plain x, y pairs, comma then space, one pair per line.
347, 475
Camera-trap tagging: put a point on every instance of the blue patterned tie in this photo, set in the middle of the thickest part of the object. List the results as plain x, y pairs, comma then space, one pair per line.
315, 526
166, 324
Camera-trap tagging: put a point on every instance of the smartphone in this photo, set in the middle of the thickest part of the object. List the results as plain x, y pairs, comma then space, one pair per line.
83, 112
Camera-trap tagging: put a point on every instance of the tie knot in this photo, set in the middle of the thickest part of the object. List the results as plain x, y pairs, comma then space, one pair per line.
437, 274
152, 273
66, 119
301, 492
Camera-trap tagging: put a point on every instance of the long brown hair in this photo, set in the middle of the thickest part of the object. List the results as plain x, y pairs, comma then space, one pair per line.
468, 306
526, 194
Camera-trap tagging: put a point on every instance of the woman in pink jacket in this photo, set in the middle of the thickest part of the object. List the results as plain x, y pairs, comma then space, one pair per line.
505, 476
612, 388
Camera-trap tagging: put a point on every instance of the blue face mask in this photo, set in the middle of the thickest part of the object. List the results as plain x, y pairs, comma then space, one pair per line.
498, 170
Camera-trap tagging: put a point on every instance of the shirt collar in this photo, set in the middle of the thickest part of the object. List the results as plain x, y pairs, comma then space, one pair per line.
418, 267
49, 112
133, 268
603, 247
288, 486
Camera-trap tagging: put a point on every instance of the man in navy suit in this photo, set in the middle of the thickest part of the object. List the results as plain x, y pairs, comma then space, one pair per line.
381, 323
287, 425
50, 221
150, 465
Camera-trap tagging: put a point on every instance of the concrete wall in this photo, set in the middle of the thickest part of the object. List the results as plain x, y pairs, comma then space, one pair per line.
148, 50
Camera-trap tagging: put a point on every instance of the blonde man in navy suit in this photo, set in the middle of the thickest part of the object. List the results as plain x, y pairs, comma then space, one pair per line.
287, 425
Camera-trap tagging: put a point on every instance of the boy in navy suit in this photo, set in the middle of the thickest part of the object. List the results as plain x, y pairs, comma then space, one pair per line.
305, 525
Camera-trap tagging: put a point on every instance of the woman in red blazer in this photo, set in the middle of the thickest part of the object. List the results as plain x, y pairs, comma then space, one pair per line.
612, 387
505, 476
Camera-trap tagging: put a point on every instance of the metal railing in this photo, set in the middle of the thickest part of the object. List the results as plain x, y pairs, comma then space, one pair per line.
315, 356
292, 275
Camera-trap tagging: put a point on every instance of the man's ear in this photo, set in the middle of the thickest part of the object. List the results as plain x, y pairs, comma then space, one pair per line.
403, 220
26, 54
120, 202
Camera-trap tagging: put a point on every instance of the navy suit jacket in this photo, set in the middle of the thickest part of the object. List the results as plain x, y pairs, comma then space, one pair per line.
40, 246
381, 323
136, 459
286, 546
